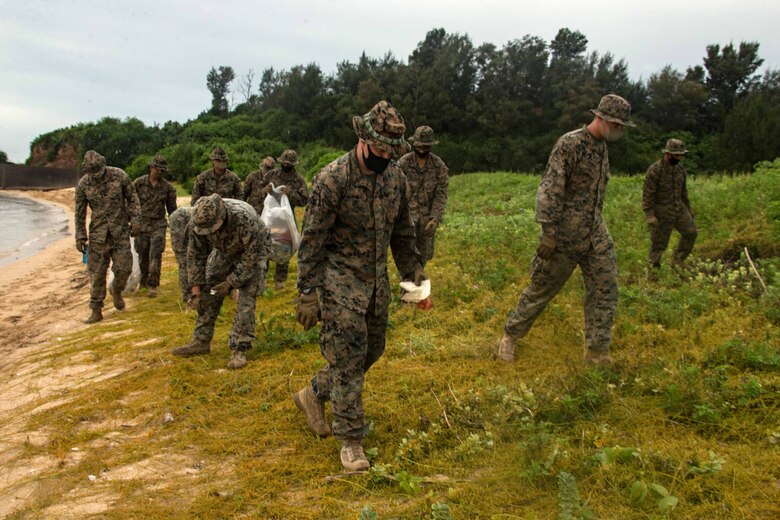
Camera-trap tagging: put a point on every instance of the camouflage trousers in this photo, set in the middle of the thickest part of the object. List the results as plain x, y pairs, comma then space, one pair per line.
350, 342
243, 332
282, 269
424, 244
150, 246
599, 272
660, 234
184, 283
116, 251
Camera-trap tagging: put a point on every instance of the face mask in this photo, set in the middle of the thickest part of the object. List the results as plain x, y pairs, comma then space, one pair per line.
373, 162
422, 154
287, 168
673, 160
613, 134
96, 173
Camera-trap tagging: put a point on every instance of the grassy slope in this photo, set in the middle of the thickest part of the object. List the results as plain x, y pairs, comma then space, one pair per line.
692, 404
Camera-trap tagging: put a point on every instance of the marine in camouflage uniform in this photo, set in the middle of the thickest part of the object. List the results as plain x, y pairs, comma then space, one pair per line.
217, 179
115, 209
179, 221
428, 178
569, 203
294, 186
666, 205
253, 184
240, 244
156, 195
357, 208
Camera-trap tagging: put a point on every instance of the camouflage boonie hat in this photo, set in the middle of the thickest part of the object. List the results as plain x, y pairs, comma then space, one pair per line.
208, 213
267, 163
383, 127
423, 136
93, 162
675, 147
288, 157
219, 154
159, 162
614, 109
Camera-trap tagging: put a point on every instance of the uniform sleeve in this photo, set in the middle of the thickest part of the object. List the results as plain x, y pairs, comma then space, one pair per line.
131, 199
440, 194
81, 213
299, 196
198, 250
249, 186
552, 189
197, 190
251, 255
402, 241
317, 223
648, 191
238, 192
170, 202
684, 192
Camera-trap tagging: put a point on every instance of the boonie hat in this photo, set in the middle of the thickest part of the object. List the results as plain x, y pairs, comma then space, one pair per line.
208, 214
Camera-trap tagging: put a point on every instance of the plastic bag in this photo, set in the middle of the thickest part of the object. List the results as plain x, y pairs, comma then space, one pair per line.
279, 218
134, 280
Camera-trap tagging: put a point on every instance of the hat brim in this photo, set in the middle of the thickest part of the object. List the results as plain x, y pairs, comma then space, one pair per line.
362, 133
424, 143
280, 161
674, 152
208, 230
612, 119
222, 158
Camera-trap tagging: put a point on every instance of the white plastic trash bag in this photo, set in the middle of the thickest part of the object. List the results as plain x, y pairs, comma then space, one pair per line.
414, 293
279, 218
134, 281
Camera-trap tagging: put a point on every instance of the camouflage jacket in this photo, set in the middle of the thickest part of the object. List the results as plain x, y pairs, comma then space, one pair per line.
427, 186
243, 240
253, 190
227, 185
154, 200
570, 197
665, 191
349, 223
113, 201
179, 221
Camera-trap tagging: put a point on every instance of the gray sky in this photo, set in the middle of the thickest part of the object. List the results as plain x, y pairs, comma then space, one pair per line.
62, 63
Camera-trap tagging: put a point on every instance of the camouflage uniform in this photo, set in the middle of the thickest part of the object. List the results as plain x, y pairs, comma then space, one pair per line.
227, 185
114, 204
253, 185
665, 196
427, 193
569, 202
298, 196
179, 221
150, 241
241, 246
351, 219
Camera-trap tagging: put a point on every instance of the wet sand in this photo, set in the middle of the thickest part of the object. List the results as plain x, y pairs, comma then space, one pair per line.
27, 226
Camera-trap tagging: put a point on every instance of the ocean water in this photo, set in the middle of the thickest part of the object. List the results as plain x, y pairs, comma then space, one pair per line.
27, 226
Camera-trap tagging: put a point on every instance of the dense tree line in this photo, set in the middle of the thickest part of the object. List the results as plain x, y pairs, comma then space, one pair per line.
493, 108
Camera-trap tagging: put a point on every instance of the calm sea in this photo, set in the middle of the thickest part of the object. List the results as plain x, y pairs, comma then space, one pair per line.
27, 226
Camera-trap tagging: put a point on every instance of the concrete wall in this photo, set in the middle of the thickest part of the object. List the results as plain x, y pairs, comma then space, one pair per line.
20, 177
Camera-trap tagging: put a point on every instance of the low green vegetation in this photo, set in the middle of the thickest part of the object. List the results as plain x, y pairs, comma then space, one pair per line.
686, 425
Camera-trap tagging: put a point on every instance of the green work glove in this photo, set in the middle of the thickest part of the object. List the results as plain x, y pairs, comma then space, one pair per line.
194, 304
267, 189
430, 227
220, 290
81, 244
652, 220
308, 312
546, 246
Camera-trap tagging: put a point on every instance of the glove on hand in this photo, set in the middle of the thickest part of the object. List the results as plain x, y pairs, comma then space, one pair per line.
417, 276
267, 189
80, 245
194, 304
430, 227
546, 246
308, 312
652, 220
220, 290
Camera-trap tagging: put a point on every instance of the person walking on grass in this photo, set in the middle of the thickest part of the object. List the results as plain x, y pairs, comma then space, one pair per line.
357, 209
217, 179
573, 233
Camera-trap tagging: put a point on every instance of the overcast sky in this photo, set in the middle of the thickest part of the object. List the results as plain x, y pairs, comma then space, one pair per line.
65, 62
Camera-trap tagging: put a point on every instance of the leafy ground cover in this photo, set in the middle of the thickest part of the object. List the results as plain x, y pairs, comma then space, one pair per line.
686, 425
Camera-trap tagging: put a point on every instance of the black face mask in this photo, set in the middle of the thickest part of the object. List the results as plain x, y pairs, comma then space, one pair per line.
422, 154
375, 163
287, 168
673, 160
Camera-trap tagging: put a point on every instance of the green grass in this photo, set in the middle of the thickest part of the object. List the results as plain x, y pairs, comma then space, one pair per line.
686, 425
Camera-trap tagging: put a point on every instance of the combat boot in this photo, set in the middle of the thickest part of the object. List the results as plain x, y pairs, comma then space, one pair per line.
506, 349
152, 292
314, 411
116, 295
598, 358
237, 360
352, 456
96, 316
194, 348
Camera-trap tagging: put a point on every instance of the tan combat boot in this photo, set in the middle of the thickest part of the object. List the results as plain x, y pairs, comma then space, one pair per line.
352, 456
598, 358
119, 302
152, 292
506, 349
195, 348
96, 316
237, 360
314, 411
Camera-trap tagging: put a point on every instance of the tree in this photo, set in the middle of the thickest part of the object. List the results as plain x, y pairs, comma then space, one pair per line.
245, 84
674, 102
3, 157
218, 83
730, 75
